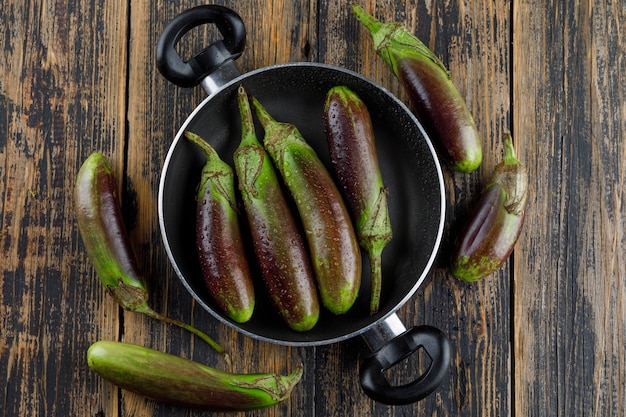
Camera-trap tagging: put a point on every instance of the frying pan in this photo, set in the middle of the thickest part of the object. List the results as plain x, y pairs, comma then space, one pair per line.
295, 93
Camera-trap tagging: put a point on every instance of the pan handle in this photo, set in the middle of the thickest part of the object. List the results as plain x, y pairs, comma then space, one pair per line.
192, 72
402, 344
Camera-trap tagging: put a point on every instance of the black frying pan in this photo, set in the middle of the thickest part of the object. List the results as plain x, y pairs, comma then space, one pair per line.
295, 93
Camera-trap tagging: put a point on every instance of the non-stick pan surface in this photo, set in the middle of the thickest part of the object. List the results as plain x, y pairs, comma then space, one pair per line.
295, 93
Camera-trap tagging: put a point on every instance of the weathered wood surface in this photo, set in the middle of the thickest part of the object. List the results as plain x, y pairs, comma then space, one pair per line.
546, 335
569, 273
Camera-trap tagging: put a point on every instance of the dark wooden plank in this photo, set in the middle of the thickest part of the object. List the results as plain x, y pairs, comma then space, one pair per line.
59, 103
569, 272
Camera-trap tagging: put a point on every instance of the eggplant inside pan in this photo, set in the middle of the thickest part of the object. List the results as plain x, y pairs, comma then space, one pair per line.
295, 93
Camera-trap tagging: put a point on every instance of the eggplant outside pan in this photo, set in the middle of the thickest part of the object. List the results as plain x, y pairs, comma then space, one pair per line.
295, 93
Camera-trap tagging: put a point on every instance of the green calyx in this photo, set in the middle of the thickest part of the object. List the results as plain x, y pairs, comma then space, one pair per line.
375, 231
278, 387
251, 160
394, 42
283, 141
374, 235
130, 297
511, 174
216, 174
509, 151
278, 136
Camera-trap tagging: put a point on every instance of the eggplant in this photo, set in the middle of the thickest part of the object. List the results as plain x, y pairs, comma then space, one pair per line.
351, 143
278, 243
170, 379
106, 240
438, 104
219, 242
489, 235
104, 234
331, 238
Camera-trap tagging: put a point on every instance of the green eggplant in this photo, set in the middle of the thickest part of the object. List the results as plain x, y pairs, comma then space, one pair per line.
488, 237
170, 379
328, 228
278, 243
219, 242
437, 102
351, 143
106, 240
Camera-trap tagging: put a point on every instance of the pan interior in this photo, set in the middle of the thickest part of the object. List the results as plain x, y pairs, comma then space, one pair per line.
296, 93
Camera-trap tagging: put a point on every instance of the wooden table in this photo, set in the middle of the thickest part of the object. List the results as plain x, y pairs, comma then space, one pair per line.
544, 336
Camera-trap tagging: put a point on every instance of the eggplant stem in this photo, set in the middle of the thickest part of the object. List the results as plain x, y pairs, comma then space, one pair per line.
247, 123
218, 348
367, 19
210, 153
376, 277
262, 114
509, 151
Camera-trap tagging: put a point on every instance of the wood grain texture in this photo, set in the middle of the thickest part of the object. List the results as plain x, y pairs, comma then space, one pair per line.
545, 335
53, 114
569, 276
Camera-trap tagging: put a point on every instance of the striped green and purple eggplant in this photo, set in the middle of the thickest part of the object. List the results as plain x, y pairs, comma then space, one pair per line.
278, 242
488, 237
351, 143
219, 241
438, 104
332, 242
174, 380
106, 240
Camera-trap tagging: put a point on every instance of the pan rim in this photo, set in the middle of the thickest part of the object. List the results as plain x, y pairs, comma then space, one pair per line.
321, 341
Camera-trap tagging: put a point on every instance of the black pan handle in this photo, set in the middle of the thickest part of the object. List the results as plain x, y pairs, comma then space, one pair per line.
372, 372
190, 73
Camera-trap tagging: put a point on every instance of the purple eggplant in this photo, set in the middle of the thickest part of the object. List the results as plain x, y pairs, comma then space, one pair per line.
278, 243
488, 238
218, 237
437, 102
99, 218
328, 228
350, 137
